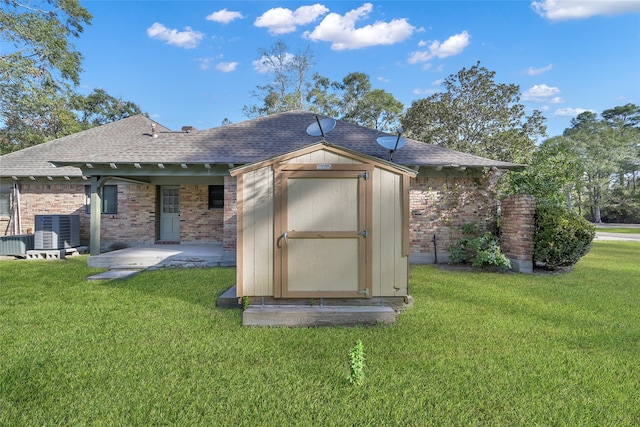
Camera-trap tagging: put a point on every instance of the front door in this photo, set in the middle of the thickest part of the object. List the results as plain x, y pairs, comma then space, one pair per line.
170, 214
322, 225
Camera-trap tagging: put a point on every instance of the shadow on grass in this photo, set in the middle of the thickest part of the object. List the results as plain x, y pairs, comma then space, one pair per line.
201, 286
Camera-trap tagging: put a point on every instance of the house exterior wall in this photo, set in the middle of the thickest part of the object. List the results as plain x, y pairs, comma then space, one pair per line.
36, 199
440, 206
198, 223
135, 221
230, 214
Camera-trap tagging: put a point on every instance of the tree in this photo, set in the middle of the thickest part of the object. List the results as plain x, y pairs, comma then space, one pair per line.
352, 88
353, 101
39, 69
476, 115
377, 110
99, 108
592, 166
626, 119
627, 115
350, 99
554, 177
289, 87
39, 33
605, 148
321, 99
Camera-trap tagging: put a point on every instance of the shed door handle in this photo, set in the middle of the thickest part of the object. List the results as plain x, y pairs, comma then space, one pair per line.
285, 237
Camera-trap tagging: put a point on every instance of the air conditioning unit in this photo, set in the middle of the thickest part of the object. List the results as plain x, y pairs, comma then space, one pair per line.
56, 232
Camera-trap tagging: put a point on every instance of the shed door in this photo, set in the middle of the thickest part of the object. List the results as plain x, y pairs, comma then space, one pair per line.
321, 228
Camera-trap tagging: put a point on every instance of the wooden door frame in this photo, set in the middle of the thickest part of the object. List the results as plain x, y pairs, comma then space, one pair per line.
282, 174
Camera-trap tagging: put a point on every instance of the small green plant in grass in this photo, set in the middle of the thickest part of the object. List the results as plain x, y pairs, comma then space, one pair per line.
245, 302
356, 364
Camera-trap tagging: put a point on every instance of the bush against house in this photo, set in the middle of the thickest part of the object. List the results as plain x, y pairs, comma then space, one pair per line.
480, 249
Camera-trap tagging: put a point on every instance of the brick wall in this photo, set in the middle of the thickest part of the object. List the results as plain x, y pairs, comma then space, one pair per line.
440, 206
518, 229
198, 223
36, 199
135, 221
230, 213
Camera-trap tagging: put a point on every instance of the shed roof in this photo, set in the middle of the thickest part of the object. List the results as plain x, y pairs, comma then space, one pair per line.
130, 141
324, 145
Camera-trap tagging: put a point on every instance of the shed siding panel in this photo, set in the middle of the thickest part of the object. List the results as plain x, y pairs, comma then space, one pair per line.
248, 196
322, 156
314, 264
389, 266
258, 233
330, 206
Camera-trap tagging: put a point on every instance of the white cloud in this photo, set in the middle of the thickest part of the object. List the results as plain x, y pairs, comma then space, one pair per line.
429, 91
226, 67
224, 16
570, 112
342, 33
535, 71
205, 63
451, 46
383, 79
559, 10
187, 39
281, 20
557, 100
540, 93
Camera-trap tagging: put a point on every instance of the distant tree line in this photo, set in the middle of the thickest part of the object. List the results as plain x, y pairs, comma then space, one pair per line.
593, 168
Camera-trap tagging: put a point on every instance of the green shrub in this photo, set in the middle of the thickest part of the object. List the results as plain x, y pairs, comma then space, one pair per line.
561, 237
479, 251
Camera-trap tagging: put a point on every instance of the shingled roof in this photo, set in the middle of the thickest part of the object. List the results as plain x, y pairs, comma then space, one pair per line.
130, 140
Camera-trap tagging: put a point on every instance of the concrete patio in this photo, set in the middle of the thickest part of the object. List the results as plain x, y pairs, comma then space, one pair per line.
159, 256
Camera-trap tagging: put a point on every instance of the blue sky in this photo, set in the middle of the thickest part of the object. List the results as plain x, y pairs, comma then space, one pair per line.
194, 62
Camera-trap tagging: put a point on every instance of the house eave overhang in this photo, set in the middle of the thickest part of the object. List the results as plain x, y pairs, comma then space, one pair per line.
148, 169
463, 167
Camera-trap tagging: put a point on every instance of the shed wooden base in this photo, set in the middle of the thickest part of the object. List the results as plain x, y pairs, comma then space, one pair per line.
397, 303
304, 316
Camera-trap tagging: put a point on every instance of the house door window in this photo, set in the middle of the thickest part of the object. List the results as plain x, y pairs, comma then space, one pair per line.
170, 214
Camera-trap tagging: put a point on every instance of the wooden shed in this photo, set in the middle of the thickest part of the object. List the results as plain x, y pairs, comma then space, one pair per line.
322, 223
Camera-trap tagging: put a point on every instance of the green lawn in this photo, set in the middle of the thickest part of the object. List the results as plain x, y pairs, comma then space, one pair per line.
476, 349
622, 230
